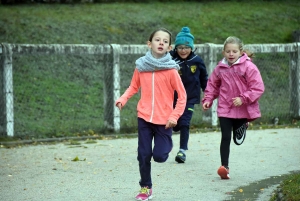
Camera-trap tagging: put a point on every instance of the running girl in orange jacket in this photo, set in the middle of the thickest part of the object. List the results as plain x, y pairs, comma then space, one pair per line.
156, 75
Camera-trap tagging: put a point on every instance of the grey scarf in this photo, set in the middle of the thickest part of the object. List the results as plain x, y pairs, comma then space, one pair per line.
148, 63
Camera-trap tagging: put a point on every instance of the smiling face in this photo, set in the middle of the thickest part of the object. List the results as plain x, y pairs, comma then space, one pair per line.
232, 52
160, 44
183, 51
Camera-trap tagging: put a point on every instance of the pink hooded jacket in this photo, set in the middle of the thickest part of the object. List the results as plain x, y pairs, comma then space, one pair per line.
242, 79
157, 95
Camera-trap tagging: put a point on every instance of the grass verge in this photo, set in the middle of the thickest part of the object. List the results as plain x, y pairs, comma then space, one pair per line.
289, 189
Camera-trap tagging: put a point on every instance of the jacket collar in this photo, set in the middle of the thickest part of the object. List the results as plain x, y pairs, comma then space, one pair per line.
242, 59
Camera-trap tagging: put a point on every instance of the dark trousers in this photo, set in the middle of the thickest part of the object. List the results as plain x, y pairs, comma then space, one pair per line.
227, 126
183, 125
162, 147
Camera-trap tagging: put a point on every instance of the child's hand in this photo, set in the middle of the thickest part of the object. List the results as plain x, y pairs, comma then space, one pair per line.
170, 124
205, 106
237, 101
119, 105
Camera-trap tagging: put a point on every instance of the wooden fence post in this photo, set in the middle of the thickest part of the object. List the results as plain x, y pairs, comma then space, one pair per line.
116, 49
7, 108
294, 80
2, 99
211, 60
112, 89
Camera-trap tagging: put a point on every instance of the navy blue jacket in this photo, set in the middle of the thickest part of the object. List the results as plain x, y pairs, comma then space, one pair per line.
193, 75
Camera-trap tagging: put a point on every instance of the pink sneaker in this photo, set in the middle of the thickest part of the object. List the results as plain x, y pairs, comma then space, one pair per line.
223, 173
144, 194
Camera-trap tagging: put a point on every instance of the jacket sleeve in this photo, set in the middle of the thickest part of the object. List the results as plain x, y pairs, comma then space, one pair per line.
181, 100
131, 90
255, 85
212, 89
203, 75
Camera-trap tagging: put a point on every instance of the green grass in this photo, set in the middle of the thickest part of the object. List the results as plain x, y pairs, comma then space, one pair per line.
131, 23
62, 95
289, 189
54, 94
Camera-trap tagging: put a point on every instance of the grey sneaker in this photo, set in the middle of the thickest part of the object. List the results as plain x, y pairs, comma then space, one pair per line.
181, 157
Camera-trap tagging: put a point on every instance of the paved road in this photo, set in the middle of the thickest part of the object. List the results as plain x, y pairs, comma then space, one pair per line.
108, 170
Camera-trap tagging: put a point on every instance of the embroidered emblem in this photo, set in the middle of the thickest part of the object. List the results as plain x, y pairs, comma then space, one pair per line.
193, 68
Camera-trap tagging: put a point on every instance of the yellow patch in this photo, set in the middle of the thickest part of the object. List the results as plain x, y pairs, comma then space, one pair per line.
193, 69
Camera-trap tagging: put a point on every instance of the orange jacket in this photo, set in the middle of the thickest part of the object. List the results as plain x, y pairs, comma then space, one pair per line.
157, 95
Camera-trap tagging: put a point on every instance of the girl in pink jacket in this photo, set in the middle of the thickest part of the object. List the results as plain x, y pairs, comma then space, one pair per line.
238, 85
156, 75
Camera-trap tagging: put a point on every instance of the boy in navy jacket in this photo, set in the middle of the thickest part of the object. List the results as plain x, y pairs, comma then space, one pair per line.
194, 78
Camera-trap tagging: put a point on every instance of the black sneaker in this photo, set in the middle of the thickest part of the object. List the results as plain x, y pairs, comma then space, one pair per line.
239, 134
180, 158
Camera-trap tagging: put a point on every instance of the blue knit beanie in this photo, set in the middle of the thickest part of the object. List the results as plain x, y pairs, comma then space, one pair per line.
184, 38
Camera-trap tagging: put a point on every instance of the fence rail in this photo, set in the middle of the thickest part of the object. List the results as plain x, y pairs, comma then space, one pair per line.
112, 74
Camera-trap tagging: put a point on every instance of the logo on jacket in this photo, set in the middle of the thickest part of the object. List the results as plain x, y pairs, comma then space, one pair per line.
193, 68
179, 72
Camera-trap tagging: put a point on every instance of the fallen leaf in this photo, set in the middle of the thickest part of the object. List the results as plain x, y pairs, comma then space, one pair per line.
76, 159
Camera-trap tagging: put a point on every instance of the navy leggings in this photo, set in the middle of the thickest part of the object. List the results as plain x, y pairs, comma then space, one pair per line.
162, 147
227, 126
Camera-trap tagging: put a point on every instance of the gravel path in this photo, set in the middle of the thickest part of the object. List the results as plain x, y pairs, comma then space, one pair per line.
108, 169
